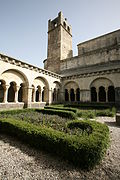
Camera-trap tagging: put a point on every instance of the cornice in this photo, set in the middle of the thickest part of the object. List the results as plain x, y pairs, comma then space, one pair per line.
97, 73
21, 64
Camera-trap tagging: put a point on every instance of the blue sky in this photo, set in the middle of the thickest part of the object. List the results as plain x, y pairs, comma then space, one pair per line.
24, 24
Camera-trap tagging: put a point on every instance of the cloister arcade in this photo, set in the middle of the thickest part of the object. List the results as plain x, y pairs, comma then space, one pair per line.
15, 89
56, 92
71, 92
102, 90
40, 90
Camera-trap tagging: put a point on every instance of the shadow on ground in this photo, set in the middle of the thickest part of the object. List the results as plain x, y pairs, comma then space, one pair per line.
112, 124
42, 158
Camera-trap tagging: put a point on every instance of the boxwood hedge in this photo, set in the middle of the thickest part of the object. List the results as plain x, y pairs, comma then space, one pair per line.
85, 151
61, 108
61, 113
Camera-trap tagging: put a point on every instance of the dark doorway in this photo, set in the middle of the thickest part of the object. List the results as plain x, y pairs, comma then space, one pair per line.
66, 95
93, 94
72, 95
1, 92
77, 94
37, 96
11, 92
20, 94
102, 94
111, 94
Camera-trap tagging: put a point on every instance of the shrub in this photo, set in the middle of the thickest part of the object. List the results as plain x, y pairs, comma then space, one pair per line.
61, 113
86, 114
91, 105
85, 151
106, 112
61, 108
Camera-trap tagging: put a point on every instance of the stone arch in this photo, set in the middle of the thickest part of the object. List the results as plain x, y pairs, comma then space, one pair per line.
101, 82
71, 89
56, 91
101, 91
42, 89
16, 81
16, 76
71, 84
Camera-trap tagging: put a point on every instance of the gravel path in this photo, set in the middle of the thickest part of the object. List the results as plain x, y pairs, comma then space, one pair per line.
19, 162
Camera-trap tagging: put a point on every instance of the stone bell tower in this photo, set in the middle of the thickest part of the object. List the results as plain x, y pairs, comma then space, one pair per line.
59, 43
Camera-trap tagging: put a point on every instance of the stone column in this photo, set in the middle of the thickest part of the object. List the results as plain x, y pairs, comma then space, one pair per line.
16, 94
33, 94
106, 91
75, 92
69, 99
97, 91
6, 87
40, 95
56, 95
28, 97
62, 96
50, 96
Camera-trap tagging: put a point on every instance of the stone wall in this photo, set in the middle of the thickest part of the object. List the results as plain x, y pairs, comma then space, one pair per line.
99, 50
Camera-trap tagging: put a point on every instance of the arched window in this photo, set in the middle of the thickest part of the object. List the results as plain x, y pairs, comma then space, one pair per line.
66, 95
64, 24
93, 94
111, 94
11, 92
1, 92
78, 94
102, 94
37, 96
68, 28
72, 95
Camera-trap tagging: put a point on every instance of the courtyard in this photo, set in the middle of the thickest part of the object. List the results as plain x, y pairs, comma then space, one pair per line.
19, 161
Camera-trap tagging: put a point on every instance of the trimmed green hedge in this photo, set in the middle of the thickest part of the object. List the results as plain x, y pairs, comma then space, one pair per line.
106, 112
85, 151
87, 114
89, 105
61, 108
61, 113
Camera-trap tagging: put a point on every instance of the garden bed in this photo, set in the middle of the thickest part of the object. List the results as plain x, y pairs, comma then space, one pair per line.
83, 143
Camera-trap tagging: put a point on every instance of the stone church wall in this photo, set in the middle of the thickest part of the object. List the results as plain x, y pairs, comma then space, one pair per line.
99, 50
